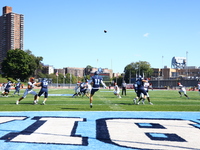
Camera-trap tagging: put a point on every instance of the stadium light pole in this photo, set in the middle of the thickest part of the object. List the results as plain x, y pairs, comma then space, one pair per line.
136, 72
158, 77
139, 68
77, 75
124, 74
187, 62
64, 78
162, 66
70, 78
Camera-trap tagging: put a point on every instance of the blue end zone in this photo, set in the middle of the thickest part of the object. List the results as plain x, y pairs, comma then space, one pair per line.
119, 130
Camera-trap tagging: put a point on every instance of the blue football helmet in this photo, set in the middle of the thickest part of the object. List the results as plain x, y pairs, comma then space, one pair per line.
96, 73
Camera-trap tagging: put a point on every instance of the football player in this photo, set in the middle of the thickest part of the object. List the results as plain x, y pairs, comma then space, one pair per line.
198, 87
44, 89
83, 88
17, 87
140, 88
77, 89
182, 90
29, 90
7, 89
87, 89
146, 87
136, 90
96, 80
116, 90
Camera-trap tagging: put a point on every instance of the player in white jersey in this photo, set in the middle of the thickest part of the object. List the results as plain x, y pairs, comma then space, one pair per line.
182, 90
29, 90
77, 89
88, 89
198, 87
116, 90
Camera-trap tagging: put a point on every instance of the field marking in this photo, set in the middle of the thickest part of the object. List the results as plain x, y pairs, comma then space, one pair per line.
60, 94
101, 129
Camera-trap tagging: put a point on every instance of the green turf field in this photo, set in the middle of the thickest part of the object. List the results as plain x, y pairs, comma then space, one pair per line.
104, 100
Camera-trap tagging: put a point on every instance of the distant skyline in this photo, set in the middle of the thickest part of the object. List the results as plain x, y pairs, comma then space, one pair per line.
71, 33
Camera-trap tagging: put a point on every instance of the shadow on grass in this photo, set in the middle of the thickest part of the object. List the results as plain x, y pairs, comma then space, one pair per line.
24, 104
71, 108
124, 103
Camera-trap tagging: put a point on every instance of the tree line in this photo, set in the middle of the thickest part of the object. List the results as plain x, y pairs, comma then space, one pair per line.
21, 65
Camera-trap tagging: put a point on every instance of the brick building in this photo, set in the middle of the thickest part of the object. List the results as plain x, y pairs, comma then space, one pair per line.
11, 31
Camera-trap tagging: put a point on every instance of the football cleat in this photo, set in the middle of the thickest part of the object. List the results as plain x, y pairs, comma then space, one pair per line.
17, 102
134, 101
35, 102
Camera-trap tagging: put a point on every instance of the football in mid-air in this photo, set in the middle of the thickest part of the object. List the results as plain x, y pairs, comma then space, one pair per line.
105, 31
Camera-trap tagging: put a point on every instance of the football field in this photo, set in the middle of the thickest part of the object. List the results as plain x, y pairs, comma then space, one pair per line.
173, 122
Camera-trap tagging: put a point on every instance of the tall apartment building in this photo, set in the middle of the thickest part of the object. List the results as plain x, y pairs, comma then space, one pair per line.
11, 31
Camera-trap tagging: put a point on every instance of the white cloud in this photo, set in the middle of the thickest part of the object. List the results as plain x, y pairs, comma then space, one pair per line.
146, 35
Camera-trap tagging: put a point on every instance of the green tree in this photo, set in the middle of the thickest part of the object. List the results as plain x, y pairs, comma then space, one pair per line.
133, 70
35, 61
41, 75
118, 80
20, 64
87, 70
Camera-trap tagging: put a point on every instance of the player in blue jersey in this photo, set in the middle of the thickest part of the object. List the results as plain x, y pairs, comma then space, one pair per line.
43, 90
146, 87
7, 88
83, 88
17, 88
136, 91
96, 80
140, 88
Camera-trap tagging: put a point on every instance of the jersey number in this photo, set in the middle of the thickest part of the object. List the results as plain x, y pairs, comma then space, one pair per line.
97, 81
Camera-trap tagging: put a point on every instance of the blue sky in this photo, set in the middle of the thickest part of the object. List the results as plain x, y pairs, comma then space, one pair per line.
69, 33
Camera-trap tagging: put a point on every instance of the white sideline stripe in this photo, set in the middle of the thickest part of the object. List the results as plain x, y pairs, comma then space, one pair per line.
60, 94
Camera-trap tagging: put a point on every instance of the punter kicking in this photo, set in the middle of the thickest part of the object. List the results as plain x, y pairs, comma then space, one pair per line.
95, 80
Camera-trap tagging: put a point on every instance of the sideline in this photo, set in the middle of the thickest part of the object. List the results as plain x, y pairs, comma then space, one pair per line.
59, 94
